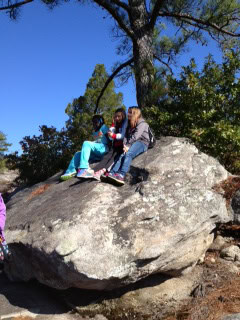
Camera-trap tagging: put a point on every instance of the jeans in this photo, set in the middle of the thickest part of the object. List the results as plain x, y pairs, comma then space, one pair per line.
91, 151
124, 161
109, 159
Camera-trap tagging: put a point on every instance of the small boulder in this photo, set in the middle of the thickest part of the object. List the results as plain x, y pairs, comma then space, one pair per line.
218, 244
231, 253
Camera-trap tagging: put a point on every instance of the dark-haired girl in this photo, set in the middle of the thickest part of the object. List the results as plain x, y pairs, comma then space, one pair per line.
116, 134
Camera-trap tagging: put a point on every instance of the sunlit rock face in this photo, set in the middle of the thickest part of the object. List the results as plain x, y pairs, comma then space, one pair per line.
98, 236
7, 178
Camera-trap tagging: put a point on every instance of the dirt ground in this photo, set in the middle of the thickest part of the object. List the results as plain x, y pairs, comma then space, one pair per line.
219, 292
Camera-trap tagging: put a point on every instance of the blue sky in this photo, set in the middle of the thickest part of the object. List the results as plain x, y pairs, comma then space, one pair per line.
47, 57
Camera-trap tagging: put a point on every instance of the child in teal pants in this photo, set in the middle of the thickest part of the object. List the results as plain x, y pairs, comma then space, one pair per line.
91, 151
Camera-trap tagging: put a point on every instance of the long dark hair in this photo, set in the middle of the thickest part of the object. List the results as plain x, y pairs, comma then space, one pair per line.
99, 120
123, 112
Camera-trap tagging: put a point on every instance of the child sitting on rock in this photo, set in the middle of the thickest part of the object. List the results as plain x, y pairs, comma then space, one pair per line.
136, 141
116, 134
91, 151
4, 251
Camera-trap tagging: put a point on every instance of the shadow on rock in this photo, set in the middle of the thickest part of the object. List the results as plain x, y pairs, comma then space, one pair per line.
31, 296
82, 298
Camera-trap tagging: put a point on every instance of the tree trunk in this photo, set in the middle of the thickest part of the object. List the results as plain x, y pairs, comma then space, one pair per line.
144, 70
142, 52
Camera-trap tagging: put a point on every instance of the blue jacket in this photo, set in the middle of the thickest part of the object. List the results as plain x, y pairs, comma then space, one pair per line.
100, 135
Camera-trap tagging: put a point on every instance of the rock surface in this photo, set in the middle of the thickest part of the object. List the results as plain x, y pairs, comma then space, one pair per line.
6, 180
29, 301
235, 316
231, 253
218, 244
151, 298
94, 235
235, 204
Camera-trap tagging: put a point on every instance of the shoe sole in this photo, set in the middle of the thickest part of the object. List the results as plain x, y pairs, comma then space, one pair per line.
97, 179
67, 178
118, 182
85, 177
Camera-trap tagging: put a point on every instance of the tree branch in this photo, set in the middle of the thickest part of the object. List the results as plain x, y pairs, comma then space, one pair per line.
122, 5
123, 65
189, 19
155, 14
16, 5
113, 12
163, 62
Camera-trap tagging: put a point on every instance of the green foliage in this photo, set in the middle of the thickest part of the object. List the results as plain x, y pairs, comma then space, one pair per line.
42, 155
205, 107
3, 148
81, 110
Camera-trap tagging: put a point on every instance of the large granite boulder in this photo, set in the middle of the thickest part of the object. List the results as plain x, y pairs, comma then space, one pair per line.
98, 236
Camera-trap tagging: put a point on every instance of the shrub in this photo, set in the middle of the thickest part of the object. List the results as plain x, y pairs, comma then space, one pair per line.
205, 107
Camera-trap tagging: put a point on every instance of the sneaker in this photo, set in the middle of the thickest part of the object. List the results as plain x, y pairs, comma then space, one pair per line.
67, 176
97, 175
104, 177
119, 178
116, 177
110, 176
85, 173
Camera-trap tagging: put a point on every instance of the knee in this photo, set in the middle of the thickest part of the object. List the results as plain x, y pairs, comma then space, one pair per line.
86, 144
129, 154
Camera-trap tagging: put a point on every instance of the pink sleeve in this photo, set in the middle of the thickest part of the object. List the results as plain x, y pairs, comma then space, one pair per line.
2, 214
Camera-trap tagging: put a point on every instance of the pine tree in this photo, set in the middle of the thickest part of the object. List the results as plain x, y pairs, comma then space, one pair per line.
3, 148
81, 110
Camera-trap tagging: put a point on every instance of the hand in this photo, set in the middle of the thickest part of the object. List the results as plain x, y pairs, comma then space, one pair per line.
100, 133
4, 250
125, 149
110, 134
1, 254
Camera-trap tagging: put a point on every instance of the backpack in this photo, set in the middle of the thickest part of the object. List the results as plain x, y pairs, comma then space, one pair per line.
152, 140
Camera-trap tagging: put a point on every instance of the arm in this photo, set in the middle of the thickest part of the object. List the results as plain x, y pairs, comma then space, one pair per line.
104, 129
2, 214
120, 135
138, 133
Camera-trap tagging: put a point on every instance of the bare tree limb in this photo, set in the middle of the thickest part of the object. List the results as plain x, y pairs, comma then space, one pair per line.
15, 5
121, 4
163, 62
189, 19
155, 14
116, 71
113, 12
